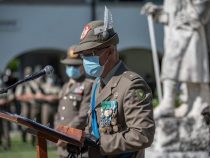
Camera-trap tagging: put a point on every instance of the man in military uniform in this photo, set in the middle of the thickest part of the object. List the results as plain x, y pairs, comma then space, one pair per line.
121, 115
49, 100
25, 94
5, 100
74, 97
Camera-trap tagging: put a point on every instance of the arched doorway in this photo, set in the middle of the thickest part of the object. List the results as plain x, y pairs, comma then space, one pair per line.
40, 58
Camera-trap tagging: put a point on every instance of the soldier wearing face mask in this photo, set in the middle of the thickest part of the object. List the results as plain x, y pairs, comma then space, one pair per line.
74, 97
120, 120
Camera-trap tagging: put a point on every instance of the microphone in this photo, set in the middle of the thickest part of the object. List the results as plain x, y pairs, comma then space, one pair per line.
48, 70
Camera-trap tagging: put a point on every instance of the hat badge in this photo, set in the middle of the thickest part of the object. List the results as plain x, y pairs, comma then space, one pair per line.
85, 32
71, 54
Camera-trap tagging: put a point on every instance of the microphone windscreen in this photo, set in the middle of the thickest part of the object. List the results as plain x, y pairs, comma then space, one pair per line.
48, 70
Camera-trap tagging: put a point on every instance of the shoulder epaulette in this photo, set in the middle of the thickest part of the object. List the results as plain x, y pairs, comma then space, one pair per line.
131, 75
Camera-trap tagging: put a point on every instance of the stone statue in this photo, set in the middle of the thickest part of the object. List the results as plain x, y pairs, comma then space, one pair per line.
185, 58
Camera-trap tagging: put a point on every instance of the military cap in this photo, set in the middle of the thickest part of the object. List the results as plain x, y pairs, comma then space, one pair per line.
94, 36
71, 58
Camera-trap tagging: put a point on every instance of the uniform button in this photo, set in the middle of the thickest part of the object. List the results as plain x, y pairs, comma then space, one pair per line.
114, 121
62, 118
64, 97
131, 75
74, 103
116, 95
63, 107
115, 128
71, 97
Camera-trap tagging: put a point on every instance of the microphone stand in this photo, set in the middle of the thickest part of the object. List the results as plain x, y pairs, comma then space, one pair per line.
28, 78
48, 70
4, 90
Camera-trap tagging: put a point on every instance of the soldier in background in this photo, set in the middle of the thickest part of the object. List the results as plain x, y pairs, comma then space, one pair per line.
5, 100
49, 99
74, 97
25, 94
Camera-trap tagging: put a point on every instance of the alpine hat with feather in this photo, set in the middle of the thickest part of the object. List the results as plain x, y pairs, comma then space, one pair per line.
98, 34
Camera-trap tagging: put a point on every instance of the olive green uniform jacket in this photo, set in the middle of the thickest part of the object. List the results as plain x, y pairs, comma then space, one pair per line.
49, 109
74, 100
132, 126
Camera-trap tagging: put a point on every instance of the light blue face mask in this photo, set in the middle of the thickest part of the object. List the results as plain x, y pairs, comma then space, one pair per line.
92, 66
73, 72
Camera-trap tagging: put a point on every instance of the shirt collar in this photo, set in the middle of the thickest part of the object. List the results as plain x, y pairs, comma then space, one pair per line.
108, 77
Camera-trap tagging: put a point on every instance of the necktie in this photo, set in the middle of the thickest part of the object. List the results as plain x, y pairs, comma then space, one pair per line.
95, 130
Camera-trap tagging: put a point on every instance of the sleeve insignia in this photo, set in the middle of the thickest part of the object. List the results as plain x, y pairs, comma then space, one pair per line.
140, 94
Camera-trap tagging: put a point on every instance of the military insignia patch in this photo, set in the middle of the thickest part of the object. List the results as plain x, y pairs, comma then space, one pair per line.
108, 116
85, 32
79, 90
140, 94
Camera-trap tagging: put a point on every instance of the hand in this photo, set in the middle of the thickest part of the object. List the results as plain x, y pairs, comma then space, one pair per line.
73, 149
28, 97
70, 148
3, 102
52, 98
206, 115
91, 140
150, 9
61, 143
39, 96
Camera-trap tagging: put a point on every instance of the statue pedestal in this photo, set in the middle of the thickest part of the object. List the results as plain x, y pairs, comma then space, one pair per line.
156, 154
180, 138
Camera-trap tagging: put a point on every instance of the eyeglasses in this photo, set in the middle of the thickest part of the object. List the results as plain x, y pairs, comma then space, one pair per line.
93, 52
69, 65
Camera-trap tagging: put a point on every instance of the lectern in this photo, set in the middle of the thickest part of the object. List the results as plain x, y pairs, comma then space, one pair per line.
43, 133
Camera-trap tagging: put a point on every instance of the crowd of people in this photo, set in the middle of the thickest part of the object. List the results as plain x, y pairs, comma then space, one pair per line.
36, 100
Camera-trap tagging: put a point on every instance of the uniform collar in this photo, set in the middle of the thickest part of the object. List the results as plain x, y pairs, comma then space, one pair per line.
111, 73
112, 83
80, 79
